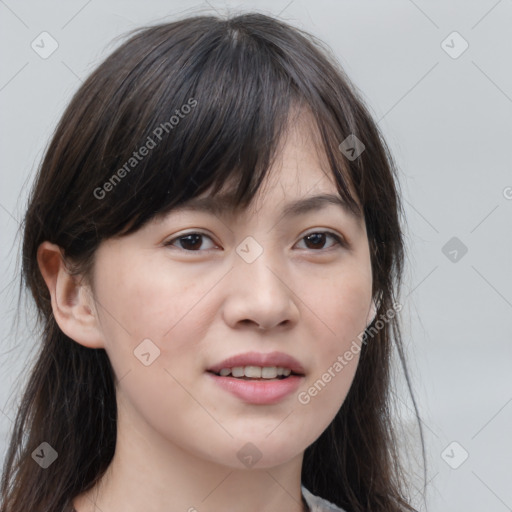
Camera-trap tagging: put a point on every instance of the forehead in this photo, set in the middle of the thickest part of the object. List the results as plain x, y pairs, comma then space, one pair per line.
299, 182
292, 189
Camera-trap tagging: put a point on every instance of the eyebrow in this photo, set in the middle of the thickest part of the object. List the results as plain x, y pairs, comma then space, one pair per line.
223, 204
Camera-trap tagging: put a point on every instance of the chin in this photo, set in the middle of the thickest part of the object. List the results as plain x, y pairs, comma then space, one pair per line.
256, 453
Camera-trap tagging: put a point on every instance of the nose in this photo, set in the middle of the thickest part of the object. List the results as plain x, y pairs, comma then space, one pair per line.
261, 295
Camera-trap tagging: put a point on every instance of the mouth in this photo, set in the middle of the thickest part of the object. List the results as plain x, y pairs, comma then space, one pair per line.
258, 378
257, 373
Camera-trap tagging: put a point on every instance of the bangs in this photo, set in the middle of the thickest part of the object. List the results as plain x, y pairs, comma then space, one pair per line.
189, 108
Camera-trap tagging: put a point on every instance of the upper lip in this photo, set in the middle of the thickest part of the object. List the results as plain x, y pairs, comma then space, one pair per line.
279, 359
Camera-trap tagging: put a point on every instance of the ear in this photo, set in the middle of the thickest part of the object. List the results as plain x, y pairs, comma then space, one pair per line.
72, 302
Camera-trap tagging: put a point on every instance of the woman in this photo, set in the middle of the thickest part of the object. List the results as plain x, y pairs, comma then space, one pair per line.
210, 239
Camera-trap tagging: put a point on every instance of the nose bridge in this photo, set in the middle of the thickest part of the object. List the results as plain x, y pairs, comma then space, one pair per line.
262, 266
260, 292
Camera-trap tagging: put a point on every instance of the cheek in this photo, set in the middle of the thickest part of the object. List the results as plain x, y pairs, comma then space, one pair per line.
145, 299
341, 309
145, 310
155, 342
153, 328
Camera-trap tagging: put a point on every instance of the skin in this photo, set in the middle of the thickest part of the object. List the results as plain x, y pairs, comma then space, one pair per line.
178, 434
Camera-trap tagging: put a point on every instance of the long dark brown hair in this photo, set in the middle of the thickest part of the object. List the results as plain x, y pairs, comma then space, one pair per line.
240, 77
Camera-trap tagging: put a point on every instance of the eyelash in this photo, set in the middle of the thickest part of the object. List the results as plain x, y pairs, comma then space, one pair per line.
340, 241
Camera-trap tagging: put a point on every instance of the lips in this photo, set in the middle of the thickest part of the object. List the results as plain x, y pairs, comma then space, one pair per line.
258, 391
271, 359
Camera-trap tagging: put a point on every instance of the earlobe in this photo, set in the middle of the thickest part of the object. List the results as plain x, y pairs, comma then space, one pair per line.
72, 302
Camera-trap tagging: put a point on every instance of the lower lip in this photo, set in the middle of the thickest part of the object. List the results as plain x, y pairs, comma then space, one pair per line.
259, 391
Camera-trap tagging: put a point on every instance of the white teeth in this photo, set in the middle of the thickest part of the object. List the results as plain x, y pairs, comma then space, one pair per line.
238, 371
256, 372
269, 372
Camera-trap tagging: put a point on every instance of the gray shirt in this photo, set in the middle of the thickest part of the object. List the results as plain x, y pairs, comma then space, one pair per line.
317, 504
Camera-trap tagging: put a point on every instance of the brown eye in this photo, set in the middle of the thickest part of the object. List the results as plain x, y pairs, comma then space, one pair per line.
189, 242
317, 240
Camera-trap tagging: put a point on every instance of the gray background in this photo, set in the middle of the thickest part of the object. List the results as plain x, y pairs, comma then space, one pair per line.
448, 122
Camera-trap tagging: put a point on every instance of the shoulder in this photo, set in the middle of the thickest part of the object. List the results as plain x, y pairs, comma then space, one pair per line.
317, 504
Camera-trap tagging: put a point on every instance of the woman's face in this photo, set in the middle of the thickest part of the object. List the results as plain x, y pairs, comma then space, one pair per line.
173, 307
